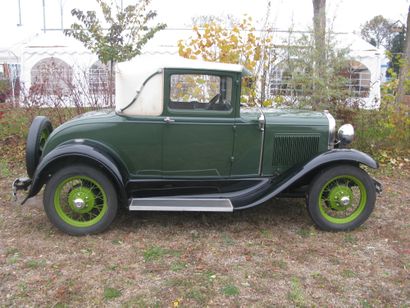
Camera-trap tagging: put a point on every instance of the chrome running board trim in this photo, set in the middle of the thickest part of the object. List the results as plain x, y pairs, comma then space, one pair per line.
181, 204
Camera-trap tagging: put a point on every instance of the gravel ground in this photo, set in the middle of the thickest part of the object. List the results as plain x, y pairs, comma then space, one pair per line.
270, 255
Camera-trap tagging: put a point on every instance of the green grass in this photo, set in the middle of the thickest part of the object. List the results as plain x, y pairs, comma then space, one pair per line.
350, 238
156, 253
117, 242
153, 253
111, 293
366, 304
280, 263
198, 295
305, 233
13, 255
347, 273
295, 293
11, 251
35, 263
230, 290
227, 240
4, 169
178, 266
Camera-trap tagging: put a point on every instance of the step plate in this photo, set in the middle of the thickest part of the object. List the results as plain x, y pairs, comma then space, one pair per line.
182, 204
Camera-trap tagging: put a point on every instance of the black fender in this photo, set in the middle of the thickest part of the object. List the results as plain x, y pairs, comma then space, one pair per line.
85, 150
284, 181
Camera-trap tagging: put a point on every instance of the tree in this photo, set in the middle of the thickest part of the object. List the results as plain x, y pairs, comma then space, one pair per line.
404, 69
319, 30
300, 87
378, 32
239, 43
126, 34
395, 52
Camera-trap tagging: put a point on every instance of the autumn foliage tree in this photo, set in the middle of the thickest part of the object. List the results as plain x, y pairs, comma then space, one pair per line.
214, 41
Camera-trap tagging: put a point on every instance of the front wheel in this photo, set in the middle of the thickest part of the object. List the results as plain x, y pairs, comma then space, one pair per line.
341, 198
80, 200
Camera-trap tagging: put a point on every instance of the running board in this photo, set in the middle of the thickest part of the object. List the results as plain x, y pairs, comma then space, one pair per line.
181, 204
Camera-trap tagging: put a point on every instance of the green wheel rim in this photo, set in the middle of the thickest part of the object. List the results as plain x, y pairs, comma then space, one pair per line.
80, 201
43, 138
342, 199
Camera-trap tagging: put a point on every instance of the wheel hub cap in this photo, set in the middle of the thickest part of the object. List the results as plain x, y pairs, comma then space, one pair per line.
345, 200
81, 199
340, 198
79, 203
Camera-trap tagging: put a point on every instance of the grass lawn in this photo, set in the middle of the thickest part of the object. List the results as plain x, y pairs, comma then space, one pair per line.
270, 255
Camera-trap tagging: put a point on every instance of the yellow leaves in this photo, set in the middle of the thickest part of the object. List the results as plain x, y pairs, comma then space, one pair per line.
215, 42
234, 39
238, 44
251, 38
176, 303
257, 55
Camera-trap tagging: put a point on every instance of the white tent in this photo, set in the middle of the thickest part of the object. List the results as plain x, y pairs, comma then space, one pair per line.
71, 52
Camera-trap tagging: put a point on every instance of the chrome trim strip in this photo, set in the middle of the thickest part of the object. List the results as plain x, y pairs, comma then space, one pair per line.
332, 129
260, 120
181, 204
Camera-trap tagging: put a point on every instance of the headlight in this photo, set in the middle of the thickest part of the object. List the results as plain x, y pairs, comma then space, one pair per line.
346, 133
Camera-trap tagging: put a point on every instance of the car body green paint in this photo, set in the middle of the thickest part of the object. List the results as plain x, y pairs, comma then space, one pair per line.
199, 144
194, 152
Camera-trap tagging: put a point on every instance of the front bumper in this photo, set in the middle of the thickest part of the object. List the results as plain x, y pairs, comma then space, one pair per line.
20, 184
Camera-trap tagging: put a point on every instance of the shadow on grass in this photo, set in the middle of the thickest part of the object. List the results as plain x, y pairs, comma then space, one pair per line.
278, 212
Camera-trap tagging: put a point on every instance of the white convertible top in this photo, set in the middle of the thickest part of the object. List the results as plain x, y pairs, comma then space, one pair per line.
159, 62
131, 75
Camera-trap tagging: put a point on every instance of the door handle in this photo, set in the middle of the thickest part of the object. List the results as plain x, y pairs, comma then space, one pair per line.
168, 120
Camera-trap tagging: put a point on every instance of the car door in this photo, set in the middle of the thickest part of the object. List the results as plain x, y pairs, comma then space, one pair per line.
199, 119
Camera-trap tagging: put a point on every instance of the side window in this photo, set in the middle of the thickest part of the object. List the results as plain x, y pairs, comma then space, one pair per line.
200, 92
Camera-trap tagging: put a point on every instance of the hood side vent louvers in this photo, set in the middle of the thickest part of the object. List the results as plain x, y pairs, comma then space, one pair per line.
290, 149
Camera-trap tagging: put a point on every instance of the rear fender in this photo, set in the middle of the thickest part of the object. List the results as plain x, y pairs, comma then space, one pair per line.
83, 150
278, 185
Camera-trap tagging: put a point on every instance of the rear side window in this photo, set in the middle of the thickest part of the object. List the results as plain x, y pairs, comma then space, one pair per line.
201, 92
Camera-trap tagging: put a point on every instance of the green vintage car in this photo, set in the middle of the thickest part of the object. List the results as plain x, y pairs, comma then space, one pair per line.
180, 140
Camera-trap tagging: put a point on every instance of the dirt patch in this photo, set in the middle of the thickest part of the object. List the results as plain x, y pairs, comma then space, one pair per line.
270, 255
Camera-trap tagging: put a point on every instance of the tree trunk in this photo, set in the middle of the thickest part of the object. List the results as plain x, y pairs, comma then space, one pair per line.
111, 83
319, 29
404, 70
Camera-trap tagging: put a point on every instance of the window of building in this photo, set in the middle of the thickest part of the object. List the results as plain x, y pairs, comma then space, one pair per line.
289, 78
198, 91
98, 78
52, 76
358, 79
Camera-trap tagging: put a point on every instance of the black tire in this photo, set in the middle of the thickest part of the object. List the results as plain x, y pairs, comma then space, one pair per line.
40, 127
334, 185
84, 175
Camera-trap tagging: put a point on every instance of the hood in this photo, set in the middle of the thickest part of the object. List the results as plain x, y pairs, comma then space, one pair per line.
288, 116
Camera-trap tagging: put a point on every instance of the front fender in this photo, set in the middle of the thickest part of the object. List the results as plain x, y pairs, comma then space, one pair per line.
278, 185
81, 150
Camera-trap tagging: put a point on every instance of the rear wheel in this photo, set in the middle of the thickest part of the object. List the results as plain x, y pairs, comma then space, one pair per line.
80, 200
341, 198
